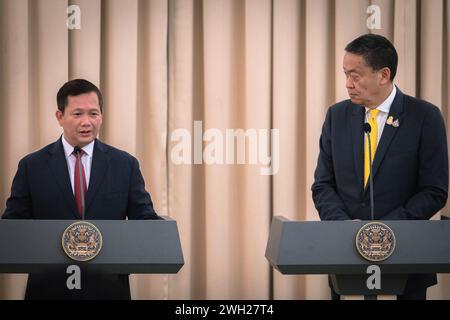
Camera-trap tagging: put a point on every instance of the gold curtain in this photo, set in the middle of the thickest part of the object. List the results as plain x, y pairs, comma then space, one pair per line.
249, 64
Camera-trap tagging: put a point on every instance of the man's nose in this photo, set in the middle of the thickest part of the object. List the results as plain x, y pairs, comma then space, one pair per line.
85, 120
349, 83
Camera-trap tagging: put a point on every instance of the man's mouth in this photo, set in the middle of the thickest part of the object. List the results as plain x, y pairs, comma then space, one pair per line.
85, 132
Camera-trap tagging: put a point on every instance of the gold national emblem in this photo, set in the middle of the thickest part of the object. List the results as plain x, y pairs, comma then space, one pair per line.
375, 241
82, 241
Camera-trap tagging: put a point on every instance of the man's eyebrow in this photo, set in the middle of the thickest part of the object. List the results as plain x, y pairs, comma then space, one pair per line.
82, 109
350, 71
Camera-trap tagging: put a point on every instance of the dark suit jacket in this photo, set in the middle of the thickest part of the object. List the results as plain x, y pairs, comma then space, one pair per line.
41, 189
410, 168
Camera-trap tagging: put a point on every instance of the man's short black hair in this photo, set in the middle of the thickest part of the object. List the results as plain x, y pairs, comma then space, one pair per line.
75, 88
377, 51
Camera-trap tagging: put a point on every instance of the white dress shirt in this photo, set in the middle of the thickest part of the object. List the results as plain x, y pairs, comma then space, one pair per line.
86, 160
383, 113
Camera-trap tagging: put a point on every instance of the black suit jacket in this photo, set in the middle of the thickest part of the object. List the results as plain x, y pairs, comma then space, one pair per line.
41, 189
410, 168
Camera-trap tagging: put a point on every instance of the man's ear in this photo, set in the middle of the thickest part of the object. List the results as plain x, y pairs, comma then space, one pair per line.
59, 116
385, 75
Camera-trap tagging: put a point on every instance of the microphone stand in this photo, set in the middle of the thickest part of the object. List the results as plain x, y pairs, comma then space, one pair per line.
367, 130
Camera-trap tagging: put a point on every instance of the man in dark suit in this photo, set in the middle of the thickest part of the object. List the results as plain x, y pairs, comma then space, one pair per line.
409, 149
79, 177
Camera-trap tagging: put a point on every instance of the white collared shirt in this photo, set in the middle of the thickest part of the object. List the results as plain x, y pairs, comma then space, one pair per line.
383, 113
86, 160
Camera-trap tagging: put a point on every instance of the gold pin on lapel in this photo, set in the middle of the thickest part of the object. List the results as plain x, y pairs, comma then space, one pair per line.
389, 120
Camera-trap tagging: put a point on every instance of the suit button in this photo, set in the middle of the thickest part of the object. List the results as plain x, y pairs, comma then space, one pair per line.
363, 205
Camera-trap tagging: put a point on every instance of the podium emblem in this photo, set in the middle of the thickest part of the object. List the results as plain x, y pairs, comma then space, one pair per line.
375, 241
82, 241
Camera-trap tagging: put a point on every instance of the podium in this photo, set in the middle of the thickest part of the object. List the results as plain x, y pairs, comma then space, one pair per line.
128, 246
328, 247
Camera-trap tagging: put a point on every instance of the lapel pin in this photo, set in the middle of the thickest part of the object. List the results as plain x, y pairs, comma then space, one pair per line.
396, 123
389, 120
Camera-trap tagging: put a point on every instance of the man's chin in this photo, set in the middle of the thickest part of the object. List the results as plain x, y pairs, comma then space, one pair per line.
84, 141
356, 100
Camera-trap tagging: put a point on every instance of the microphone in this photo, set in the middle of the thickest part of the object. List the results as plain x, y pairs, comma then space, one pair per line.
78, 152
367, 129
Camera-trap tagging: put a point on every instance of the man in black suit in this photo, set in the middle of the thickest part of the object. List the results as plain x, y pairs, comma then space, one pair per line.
98, 182
409, 149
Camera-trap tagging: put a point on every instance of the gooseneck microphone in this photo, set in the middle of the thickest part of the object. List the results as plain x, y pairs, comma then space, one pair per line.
367, 129
78, 152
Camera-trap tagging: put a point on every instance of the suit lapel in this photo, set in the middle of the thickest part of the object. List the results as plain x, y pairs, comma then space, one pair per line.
357, 120
389, 131
100, 162
58, 166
